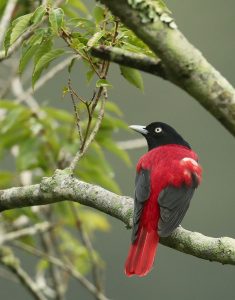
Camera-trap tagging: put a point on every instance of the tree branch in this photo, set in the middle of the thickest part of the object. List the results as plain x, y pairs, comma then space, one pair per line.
64, 266
6, 18
63, 186
32, 230
138, 61
8, 259
184, 64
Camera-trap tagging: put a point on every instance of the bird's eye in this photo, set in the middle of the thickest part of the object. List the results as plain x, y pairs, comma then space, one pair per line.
158, 129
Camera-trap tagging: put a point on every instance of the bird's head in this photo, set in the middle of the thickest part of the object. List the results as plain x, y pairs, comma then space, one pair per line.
159, 134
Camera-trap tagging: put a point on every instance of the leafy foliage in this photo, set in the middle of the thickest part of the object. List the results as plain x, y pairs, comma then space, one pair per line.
40, 140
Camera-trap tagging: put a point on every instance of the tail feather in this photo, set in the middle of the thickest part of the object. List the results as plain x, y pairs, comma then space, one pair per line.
141, 254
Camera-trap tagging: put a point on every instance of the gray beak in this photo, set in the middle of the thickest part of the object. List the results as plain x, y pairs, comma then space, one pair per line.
139, 128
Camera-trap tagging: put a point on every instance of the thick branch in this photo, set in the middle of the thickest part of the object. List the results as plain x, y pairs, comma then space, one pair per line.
138, 61
62, 186
185, 65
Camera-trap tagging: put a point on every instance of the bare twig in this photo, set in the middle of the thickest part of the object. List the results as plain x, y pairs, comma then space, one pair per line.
6, 18
66, 267
89, 59
19, 92
76, 114
49, 245
102, 74
92, 135
32, 230
8, 259
88, 244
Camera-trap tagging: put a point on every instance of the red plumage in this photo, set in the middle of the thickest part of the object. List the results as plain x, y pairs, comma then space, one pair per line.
168, 165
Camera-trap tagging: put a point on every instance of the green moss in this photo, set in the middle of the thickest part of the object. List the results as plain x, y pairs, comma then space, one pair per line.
151, 11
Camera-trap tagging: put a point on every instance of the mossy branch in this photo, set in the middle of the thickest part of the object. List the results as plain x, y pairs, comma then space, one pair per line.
183, 64
63, 186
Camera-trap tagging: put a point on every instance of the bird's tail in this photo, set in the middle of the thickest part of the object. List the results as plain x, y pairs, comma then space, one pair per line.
141, 254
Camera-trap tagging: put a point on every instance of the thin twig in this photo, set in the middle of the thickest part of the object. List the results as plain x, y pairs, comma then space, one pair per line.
32, 230
48, 244
92, 135
8, 259
68, 268
91, 64
88, 244
97, 96
18, 91
6, 18
77, 117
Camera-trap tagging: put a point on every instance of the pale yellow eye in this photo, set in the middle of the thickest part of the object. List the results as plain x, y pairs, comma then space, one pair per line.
158, 129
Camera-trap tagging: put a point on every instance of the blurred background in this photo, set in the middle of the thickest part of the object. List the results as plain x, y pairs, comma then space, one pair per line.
209, 25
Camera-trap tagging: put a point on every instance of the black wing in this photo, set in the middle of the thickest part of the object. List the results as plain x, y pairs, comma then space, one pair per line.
173, 203
142, 192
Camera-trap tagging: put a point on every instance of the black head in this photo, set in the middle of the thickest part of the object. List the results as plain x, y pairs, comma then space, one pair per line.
159, 134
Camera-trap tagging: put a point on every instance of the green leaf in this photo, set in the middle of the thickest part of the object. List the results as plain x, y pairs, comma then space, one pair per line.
103, 82
94, 221
43, 48
98, 14
38, 15
89, 75
133, 76
59, 114
113, 147
77, 44
44, 61
26, 57
79, 5
17, 27
95, 38
56, 18
72, 63
86, 24
112, 107
33, 46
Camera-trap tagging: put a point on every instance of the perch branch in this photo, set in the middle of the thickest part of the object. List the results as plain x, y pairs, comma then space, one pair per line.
62, 186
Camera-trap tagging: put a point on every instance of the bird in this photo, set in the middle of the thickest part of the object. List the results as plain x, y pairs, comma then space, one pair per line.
166, 178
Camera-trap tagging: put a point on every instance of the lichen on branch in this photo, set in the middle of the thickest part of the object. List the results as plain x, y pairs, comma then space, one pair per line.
185, 65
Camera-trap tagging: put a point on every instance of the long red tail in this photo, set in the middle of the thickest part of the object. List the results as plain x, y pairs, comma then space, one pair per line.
141, 254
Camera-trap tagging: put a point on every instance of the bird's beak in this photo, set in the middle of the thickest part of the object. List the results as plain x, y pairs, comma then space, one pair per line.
139, 128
